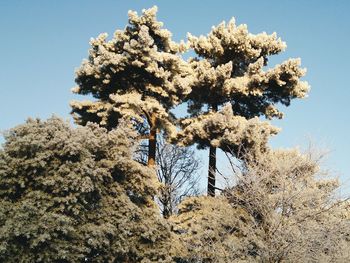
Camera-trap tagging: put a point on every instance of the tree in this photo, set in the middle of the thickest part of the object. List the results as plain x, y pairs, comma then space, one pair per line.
229, 70
76, 195
137, 75
283, 208
177, 171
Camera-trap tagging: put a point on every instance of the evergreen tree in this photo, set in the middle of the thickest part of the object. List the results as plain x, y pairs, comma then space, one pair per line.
229, 70
76, 195
138, 75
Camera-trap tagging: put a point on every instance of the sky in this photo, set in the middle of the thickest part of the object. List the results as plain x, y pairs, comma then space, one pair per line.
43, 42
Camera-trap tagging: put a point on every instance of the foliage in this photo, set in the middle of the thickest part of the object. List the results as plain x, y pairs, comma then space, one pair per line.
76, 195
230, 72
233, 134
211, 230
281, 209
230, 68
136, 74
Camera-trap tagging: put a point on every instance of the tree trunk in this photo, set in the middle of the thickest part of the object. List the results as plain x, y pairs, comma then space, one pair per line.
212, 164
152, 142
212, 171
167, 202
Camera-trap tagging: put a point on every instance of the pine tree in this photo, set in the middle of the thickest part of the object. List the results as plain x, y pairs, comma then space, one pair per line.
230, 71
138, 75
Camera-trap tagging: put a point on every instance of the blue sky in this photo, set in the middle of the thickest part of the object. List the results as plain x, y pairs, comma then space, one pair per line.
42, 42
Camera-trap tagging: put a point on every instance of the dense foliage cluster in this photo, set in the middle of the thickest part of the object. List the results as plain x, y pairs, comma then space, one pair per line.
136, 74
86, 194
230, 133
230, 71
75, 195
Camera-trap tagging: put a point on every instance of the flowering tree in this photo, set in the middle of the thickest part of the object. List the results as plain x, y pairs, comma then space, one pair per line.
138, 75
230, 78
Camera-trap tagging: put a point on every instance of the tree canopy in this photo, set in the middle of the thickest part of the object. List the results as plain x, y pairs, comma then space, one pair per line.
138, 74
80, 194
230, 68
76, 195
230, 72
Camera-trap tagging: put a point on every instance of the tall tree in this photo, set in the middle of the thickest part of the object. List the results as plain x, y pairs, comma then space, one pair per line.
138, 74
229, 69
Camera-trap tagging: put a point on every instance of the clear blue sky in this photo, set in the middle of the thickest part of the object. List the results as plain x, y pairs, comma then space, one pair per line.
42, 42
